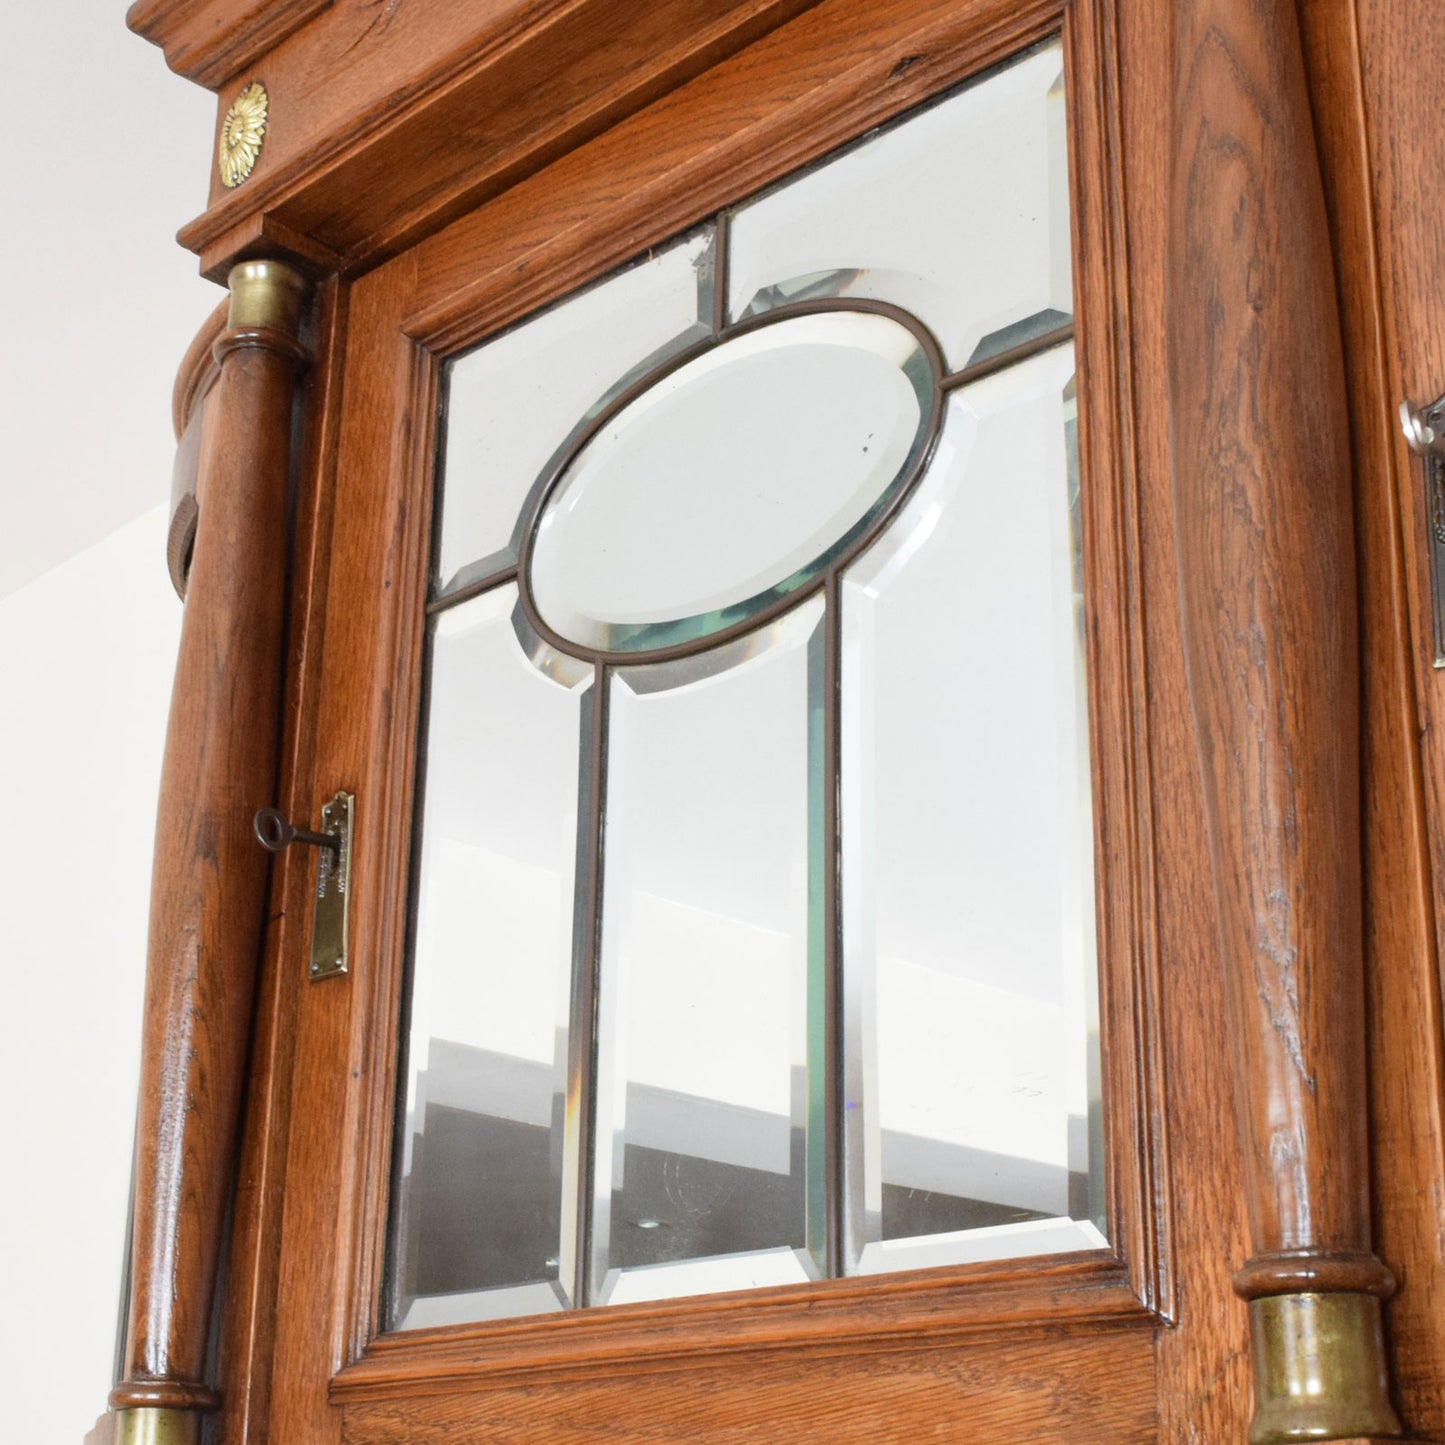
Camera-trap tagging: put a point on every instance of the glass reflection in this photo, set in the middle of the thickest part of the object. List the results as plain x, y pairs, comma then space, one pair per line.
731, 482
515, 405
673, 1140
960, 214
480, 1224
970, 1012
704, 1165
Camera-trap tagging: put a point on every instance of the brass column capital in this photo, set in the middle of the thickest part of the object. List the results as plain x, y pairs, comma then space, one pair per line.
266, 295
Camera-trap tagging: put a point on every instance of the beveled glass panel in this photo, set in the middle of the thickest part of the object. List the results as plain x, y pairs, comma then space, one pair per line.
481, 1221
959, 214
515, 404
971, 1036
706, 1166
731, 481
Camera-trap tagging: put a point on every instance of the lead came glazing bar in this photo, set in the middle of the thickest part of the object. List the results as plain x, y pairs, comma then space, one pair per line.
825, 1003
578, 1145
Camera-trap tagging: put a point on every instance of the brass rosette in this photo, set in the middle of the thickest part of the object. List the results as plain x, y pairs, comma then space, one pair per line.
242, 132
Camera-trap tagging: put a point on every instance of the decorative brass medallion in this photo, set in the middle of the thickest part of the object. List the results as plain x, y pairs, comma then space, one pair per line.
242, 132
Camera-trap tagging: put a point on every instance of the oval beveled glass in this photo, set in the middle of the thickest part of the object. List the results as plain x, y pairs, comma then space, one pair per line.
731, 482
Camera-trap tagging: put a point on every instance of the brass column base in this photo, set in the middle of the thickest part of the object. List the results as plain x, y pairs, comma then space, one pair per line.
1319, 1369
152, 1425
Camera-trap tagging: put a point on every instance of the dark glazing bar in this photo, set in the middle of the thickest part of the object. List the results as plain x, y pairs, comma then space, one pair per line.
587, 948
832, 855
721, 239
1000, 361
472, 589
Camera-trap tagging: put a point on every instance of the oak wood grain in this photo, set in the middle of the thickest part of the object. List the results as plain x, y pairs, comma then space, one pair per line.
1264, 498
429, 108
1204, 1387
1119, 668
208, 41
344, 1039
1046, 1394
208, 893
1388, 245
259, 1200
836, 70
975, 1305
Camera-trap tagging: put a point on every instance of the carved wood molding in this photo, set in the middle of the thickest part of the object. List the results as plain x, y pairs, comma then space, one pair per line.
212, 41
429, 109
1264, 506
209, 880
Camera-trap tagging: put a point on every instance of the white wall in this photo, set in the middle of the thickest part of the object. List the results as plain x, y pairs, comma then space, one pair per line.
106, 155
88, 651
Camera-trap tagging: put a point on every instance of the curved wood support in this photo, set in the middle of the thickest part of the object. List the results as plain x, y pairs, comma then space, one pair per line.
199, 369
208, 888
190, 411
1264, 509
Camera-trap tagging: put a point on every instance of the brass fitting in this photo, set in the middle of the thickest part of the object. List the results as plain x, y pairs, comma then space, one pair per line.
153, 1425
1319, 1369
266, 295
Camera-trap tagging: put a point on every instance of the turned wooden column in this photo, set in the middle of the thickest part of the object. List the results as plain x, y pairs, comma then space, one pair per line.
1264, 506
208, 889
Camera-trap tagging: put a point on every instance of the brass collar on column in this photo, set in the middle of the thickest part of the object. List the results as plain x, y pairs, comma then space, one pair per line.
266, 295
151, 1425
1319, 1369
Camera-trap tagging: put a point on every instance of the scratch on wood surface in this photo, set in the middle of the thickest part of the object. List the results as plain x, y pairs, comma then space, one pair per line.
385, 12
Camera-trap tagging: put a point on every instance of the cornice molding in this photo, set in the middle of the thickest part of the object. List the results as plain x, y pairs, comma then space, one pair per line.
212, 41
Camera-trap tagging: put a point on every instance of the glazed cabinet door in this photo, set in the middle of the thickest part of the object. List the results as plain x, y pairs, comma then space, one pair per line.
838, 604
